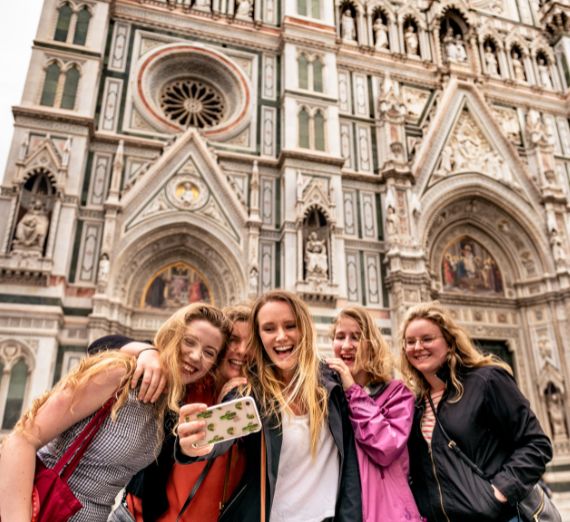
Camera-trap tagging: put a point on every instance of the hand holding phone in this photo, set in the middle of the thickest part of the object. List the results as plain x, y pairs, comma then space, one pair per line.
228, 420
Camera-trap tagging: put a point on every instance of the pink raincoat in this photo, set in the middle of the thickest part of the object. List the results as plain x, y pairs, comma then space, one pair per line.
382, 424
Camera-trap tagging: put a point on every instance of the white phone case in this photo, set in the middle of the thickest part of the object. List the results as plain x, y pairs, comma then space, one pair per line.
230, 420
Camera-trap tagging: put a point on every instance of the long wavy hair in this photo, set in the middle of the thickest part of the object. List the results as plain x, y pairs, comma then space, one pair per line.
373, 354
305, 390
461, 353
167, 341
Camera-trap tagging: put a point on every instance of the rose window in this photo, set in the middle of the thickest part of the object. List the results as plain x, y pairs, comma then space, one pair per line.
192, 103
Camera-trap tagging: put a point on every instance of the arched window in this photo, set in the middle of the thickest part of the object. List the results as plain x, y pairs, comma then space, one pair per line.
304, 138
70, 88
50, 85
63, 21
83, 17
303, 72
18, 378
318, 75
319, 124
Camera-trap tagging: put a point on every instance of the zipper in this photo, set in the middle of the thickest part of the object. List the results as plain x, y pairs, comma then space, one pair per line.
438, 484
540, 508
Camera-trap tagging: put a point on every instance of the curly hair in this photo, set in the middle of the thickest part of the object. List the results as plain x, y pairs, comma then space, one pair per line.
461, 353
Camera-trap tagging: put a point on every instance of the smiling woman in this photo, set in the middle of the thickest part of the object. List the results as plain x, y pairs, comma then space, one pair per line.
311, 471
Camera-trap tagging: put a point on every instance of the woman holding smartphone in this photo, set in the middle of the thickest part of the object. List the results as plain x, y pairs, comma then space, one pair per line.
128, 440
304, 468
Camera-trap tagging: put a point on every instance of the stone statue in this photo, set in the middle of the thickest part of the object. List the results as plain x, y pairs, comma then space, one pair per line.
104, 267
557, 418
380, 34
32, 229
412, 43
243, 9
253, 279
518, 67
535, 128
392, 222
347, 26
316, 260
544, 74
491, 62
558, 251
460, 51
450, 46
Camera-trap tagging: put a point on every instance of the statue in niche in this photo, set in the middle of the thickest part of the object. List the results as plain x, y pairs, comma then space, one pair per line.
244, 9
392, 223
253, 279
460, 51
518, 67
450, 46
32, 229
347, 26
380, 34
316, 260
558, 250
491, 62
104, 267
412, 42
555, 405
535, 128
202, 5
544, 74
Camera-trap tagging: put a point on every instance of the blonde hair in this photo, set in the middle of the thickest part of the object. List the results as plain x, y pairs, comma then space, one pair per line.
376, 360
167, 340
462, 352
304, 390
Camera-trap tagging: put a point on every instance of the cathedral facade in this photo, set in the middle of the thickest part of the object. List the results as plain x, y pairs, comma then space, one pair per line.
379, 152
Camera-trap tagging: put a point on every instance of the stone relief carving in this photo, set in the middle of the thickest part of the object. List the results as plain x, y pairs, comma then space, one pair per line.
508, 119
468, 149
556, 413
32, 229
415, 101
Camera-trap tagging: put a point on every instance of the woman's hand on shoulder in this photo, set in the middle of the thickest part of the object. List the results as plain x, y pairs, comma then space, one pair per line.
230, 385
192, 430
150, 374
339, 366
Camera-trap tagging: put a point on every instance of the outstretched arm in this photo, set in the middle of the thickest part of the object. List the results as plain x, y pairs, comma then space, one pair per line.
62, 410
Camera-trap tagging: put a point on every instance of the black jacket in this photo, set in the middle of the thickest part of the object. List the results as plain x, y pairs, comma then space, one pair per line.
245, 505
495, 427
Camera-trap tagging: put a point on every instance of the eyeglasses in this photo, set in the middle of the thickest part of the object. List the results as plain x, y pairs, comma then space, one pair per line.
425, 342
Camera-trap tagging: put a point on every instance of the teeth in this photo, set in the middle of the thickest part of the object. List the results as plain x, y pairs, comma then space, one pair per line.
283, 348
236, 362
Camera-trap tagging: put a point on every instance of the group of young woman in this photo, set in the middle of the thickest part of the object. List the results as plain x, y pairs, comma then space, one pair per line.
340, 440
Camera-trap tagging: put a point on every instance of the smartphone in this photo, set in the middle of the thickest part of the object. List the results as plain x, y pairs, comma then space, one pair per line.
229, 420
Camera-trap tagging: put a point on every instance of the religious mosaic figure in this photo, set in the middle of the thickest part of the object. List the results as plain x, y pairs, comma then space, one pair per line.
491, 62
544, 74
469, 267
176, 286
380, 34
316, 257
32, 229
411, 39
347, 26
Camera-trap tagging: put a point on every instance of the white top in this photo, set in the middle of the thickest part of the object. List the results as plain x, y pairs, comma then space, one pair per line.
306, 488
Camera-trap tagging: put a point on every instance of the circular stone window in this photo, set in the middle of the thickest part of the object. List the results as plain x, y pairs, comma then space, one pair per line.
193, 103
181, 85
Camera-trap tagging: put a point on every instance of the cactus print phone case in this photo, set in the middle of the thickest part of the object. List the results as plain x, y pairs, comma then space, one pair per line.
230, 420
